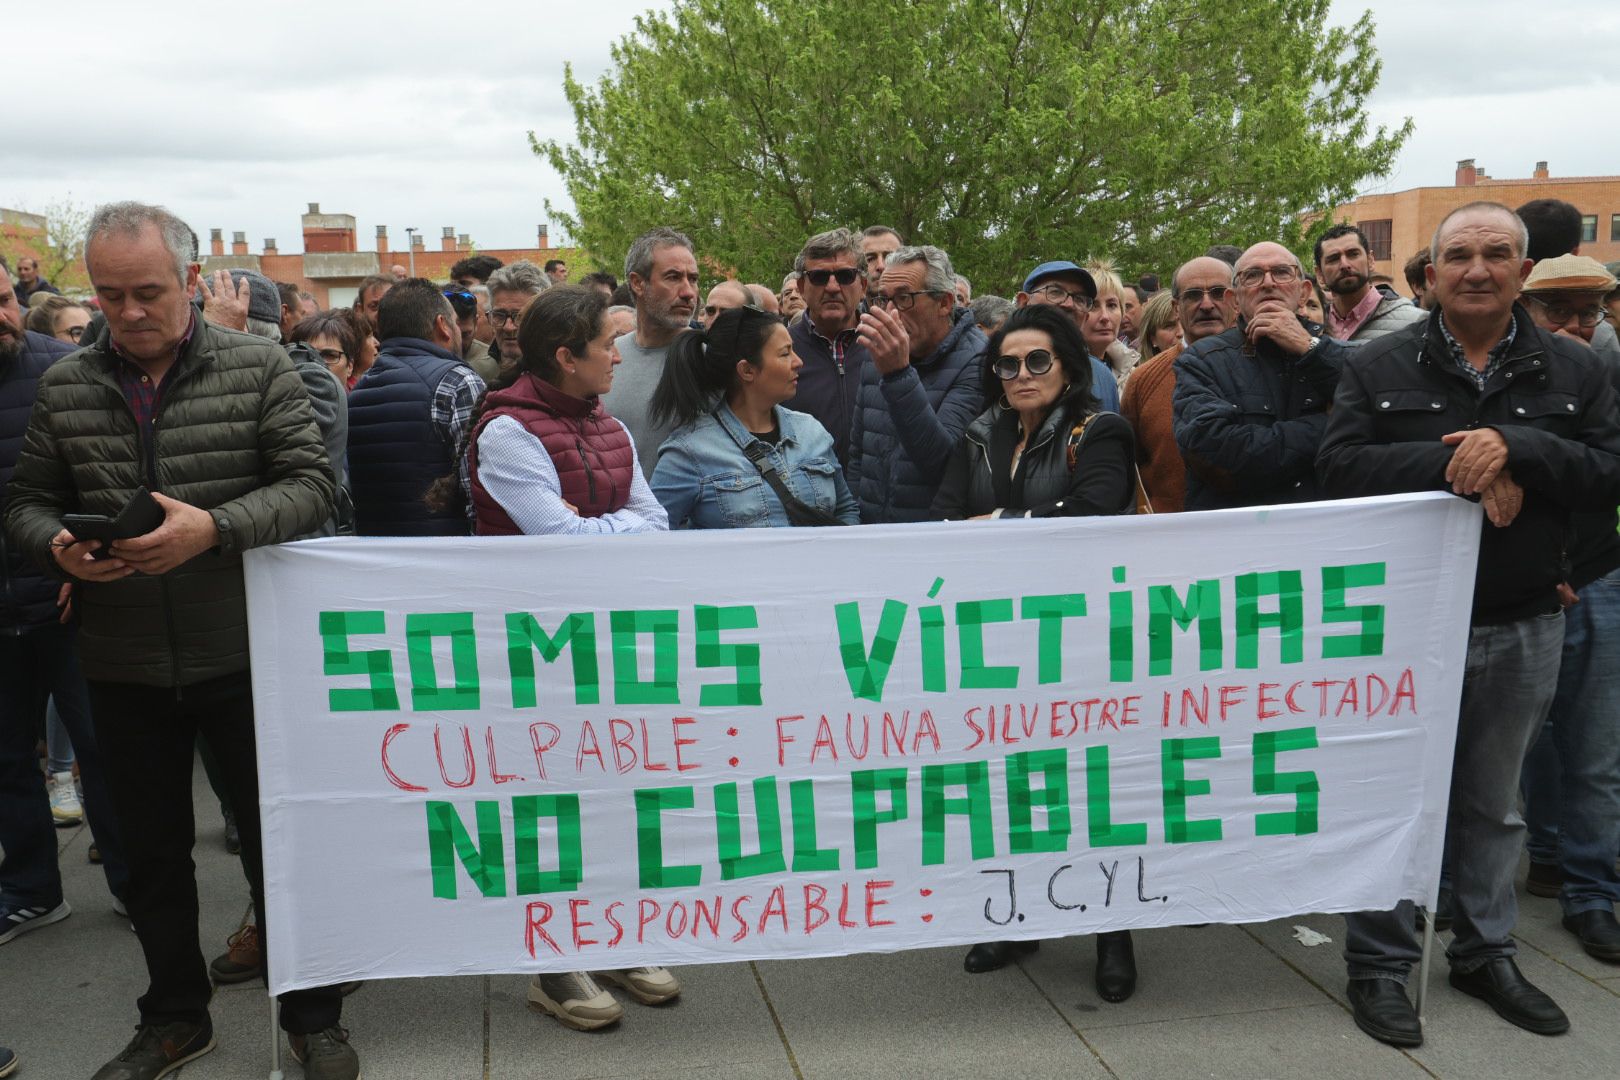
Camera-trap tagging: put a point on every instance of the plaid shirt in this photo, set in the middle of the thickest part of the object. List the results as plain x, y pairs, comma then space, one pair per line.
838, 345
145, 395
455, 400
1493, 363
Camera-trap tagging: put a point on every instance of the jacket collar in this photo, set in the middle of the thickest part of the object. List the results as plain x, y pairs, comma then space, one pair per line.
532, 391
397, 346
1526, 338
962, 323
740, 434
1265, 349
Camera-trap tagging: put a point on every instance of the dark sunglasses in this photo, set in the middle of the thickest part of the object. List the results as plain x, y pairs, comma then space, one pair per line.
818, 278
1216, 293
1037, 362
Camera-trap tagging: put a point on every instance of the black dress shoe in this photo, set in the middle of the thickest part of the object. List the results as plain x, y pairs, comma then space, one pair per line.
1380, 1008
1499, 984
1544, 879
1116, 966
994, 955
1598, 931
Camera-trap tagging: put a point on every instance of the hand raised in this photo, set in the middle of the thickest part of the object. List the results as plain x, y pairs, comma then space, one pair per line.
226, 304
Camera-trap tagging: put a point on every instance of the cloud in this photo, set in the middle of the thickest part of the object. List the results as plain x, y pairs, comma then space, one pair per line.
409, 114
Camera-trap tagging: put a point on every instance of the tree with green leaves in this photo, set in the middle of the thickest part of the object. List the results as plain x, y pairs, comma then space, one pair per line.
1004, 131
59, 246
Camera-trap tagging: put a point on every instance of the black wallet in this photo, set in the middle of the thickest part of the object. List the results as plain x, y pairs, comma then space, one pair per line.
140, 515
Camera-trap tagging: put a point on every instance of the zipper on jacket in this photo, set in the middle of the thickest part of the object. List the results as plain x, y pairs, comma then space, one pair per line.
585, 461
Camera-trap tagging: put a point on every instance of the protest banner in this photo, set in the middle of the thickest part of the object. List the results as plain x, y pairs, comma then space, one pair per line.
547, 753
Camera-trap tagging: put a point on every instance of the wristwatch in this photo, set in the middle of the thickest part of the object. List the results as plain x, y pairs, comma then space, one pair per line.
1315, 341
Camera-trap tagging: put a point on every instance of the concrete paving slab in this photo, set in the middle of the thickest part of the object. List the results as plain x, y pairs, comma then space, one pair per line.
919, 1014
1317, 1041
720, 1022
1226, 970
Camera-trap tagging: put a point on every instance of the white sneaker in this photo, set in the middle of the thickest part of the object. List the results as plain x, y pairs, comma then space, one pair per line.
648, 985
574, 998
65, 808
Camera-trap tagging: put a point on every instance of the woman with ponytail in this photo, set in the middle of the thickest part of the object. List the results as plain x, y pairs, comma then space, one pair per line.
736, 458
545, 456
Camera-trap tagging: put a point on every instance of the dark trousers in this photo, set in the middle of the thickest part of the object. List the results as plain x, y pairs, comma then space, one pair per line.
147, 736
33, 667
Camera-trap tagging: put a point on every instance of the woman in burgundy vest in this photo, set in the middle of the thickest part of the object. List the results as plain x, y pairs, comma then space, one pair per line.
545, 456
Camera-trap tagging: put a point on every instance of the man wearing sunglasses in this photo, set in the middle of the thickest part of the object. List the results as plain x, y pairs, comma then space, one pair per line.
1571, 777
1205, 305
1065, 285
830, 281
723, 297
1251, 402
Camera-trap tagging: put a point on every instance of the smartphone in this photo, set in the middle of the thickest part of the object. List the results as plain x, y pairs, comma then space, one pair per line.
140, 515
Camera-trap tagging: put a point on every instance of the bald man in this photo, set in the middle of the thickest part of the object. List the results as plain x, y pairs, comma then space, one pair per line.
1205, 305
724, 296
1251, 402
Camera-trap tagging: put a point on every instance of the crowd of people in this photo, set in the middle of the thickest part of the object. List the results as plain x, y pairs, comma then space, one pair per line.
871, 387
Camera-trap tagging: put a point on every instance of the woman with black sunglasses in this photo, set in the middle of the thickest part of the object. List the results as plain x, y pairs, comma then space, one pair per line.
1043, 450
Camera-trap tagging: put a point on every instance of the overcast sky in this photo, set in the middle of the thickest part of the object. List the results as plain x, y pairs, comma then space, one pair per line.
415, 115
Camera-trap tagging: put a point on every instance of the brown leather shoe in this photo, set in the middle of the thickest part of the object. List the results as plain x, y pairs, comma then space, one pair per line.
243, 961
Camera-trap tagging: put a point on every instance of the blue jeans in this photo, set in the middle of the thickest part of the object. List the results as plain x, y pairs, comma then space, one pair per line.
1507, 690
33, 666
1571, 779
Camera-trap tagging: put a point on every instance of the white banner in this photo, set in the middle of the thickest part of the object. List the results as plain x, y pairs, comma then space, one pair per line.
540, 753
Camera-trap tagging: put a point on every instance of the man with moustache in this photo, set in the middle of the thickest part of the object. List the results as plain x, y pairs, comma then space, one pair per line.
1357, 310
828, 272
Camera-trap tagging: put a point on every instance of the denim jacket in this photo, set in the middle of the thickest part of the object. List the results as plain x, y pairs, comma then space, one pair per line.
705, 480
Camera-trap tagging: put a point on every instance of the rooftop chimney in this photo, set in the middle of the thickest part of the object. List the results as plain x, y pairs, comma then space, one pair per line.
216, 241
418, 242
1541, 171
270, 245
1466, 173
447, 242
239, 243
382, 239
314, 207
544, 243
463, 241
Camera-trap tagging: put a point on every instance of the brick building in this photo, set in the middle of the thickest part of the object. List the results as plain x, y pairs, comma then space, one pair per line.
1399, 224
331, 266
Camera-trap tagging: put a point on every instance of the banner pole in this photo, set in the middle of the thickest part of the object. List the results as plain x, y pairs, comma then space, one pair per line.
1423, 962
275, 1040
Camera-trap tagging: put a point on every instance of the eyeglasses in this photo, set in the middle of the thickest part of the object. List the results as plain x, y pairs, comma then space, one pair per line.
1195, 297
1255, 275
74, 332
499, 318
1561, 314
333, 356
845, 275
1057, 294
901, 301
1036, 362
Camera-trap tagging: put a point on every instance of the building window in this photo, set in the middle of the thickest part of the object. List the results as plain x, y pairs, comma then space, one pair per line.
1588, 228
1378, 237
1614, 228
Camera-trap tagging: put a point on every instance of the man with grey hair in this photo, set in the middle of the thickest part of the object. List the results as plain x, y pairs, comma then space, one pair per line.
511, 287
1251, 402
1479, 401
922, 388
163, 618
991, 311
662, 273
964, 291
829, 278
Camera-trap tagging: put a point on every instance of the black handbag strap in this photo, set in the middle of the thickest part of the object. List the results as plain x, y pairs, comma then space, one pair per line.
798, 513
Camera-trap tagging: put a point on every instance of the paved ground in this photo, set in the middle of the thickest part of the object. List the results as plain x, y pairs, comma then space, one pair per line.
1224, 1001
